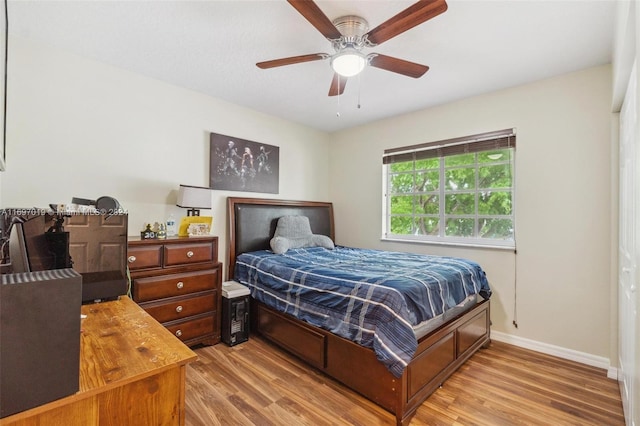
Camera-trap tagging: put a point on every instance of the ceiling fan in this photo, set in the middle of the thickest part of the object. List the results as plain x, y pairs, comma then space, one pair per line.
349, 35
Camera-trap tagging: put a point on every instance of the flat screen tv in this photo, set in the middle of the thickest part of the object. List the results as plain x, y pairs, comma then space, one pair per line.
93, 244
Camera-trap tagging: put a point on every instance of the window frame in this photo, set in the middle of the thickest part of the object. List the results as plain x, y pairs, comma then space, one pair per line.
503, 139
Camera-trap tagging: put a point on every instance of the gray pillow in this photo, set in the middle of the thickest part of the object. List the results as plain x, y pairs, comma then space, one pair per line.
295, 232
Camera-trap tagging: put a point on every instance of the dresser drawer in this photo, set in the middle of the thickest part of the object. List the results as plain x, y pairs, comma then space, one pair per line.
194, 328
187, 253
177, 309
151, 288
144, 257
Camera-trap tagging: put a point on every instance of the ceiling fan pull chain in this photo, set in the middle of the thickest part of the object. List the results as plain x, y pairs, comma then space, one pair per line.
338, 113
359, 85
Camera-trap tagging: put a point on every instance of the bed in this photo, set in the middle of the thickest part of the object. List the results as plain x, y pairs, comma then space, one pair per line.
442, 344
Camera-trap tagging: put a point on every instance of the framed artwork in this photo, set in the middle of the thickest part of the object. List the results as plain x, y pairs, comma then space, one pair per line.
241, 165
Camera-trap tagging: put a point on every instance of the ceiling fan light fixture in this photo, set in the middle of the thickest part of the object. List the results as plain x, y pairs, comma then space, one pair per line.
348, 62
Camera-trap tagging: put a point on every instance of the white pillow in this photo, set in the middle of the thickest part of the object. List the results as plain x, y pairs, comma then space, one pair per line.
295, 232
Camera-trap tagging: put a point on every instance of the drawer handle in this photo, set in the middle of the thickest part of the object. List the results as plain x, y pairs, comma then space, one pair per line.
189, 254
179, 333
178, 309
180, 284
131, 259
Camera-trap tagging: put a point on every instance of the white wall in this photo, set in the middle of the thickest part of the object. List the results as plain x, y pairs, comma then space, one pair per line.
77, 127
563, 214
80, 128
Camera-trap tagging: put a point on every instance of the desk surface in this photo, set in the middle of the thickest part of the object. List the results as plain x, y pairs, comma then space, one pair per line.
121, 343
120, 346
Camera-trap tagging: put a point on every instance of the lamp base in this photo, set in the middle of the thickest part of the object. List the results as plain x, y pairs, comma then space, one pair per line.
193, 212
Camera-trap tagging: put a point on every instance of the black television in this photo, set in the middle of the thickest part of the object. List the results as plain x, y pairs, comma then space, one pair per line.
93, 244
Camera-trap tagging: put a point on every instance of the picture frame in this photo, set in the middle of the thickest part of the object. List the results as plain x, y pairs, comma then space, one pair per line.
198, 229
242, 165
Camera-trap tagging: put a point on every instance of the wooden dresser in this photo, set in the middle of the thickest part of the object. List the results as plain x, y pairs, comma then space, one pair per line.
132, 372
179, 282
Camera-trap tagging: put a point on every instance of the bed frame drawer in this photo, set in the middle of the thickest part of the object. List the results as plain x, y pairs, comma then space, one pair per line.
302, 341
427, 365
471, 332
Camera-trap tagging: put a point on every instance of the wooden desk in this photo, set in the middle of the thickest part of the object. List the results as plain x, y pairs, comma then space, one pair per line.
132, 372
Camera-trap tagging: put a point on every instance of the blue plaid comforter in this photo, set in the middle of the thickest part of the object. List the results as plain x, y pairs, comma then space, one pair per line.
371, 297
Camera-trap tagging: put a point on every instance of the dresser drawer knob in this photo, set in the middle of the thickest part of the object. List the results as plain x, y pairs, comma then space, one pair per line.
189, 254
180, 284
178, 309
179, 333
131, 259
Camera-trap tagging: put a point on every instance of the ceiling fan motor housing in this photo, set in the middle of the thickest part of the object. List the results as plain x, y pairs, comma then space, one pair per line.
352, 28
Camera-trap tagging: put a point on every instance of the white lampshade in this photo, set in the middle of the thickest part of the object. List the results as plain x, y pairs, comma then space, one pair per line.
194, 198
348, 63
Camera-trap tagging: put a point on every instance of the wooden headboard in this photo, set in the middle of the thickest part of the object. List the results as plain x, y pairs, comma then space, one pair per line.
252, 223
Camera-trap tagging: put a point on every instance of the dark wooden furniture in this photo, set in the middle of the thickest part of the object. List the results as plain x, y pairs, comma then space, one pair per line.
252, 223
178, 281
132, 372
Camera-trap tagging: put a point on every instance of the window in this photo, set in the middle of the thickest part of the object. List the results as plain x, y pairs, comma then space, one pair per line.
455, 191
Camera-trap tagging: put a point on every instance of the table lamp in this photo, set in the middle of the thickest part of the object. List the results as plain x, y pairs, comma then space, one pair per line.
194, 198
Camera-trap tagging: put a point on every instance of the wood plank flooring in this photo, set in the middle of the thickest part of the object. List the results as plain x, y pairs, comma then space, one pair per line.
256, 383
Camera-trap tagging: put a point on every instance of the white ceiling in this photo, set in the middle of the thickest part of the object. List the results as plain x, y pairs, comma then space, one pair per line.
476, 46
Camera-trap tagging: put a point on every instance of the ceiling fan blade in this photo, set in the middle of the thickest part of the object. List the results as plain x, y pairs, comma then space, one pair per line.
400, 66
414, 15
337, 84
316, 17
292, 60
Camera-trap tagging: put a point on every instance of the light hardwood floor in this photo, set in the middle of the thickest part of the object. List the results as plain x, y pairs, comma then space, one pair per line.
256, 383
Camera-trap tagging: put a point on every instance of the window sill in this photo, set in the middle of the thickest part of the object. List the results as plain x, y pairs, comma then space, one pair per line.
449, 244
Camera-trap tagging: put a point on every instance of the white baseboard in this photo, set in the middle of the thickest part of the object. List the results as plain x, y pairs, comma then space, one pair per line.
560, 352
